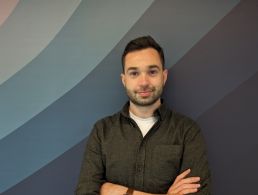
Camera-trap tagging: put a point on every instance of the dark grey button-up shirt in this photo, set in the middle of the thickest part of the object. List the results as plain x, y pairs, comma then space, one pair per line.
117, 152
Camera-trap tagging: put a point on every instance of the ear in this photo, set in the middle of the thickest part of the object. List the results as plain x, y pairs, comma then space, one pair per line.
122, 75
165, 75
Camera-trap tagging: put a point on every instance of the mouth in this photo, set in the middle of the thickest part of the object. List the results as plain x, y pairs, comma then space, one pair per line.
144, 93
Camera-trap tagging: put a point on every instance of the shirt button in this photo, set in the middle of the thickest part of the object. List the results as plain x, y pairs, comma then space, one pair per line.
139, 168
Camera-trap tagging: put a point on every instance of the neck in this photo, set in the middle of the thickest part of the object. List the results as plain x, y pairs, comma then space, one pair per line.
144, 111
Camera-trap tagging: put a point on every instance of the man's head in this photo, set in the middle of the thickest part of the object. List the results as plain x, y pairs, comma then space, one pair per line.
143, 74
143, 43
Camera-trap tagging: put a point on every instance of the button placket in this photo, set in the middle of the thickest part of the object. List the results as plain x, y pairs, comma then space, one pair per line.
139, 167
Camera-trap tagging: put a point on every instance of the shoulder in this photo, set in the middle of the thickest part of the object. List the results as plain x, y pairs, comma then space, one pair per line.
175, 118
182, 123
105, 125
108, 121
183, 120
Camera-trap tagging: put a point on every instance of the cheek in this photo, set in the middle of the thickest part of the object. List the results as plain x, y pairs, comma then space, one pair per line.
158, 82
129, 84
130, 81
163, 80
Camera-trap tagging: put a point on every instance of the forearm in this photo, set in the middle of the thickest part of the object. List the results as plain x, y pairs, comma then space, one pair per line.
195, 157
92, 174
115, 189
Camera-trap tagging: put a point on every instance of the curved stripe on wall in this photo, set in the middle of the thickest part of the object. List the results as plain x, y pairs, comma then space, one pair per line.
231, 128
29, 30
6, 8
208, 72
181, 24
59, 177
82, 43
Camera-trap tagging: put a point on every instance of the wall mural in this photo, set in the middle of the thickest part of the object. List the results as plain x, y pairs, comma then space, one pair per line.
60, 72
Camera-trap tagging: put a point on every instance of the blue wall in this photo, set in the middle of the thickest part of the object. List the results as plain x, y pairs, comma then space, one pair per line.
60, 72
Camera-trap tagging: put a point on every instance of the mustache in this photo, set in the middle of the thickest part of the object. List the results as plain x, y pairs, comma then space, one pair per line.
145, 88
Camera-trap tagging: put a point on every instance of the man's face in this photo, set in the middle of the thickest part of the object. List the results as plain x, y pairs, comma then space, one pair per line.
143, 77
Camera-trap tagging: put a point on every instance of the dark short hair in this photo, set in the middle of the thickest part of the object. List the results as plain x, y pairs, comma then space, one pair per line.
143, 43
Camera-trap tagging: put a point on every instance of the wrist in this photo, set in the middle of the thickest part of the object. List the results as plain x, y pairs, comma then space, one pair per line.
129, 191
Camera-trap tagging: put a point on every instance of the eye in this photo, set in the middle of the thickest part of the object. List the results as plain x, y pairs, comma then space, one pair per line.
153, 72
133, 73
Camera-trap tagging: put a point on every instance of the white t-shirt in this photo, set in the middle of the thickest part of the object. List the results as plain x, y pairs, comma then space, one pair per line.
144, 124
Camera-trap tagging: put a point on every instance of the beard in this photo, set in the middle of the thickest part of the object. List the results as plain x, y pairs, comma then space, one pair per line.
137, 99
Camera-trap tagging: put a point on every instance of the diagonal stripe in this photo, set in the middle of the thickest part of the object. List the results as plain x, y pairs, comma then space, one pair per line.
51, 178
233, 123
29, 27
179, 24
83, 42
217, 64
6, 8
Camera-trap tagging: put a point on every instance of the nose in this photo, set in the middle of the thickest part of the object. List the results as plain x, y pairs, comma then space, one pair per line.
143, 80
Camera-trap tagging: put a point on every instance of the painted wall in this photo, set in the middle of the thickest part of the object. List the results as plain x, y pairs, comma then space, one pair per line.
59, 73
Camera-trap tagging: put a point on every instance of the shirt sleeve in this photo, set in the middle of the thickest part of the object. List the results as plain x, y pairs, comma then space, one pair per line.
195, 158
92, 174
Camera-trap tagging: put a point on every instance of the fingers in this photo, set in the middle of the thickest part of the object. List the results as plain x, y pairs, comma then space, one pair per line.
183, 185
187, 181
183, 175
186, 188
189, 191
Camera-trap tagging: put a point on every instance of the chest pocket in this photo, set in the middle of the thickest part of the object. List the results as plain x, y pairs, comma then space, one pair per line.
166, 162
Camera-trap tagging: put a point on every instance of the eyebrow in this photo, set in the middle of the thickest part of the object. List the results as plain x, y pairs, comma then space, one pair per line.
149, 67
154, 66
131, 69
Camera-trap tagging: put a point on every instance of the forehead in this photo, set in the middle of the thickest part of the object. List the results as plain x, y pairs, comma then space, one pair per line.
142, 58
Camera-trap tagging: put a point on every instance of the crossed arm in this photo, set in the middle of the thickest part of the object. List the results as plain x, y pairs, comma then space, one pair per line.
92, 179
182, 185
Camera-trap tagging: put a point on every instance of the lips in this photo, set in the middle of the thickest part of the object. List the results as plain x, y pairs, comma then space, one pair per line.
144, 93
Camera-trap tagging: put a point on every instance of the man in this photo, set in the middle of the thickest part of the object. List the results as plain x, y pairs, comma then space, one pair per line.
145, 148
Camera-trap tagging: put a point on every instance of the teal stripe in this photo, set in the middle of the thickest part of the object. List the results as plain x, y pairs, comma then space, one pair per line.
89, 35
29, 27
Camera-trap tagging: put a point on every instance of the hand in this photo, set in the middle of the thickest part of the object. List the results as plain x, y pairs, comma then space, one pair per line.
112, 189
183, 185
